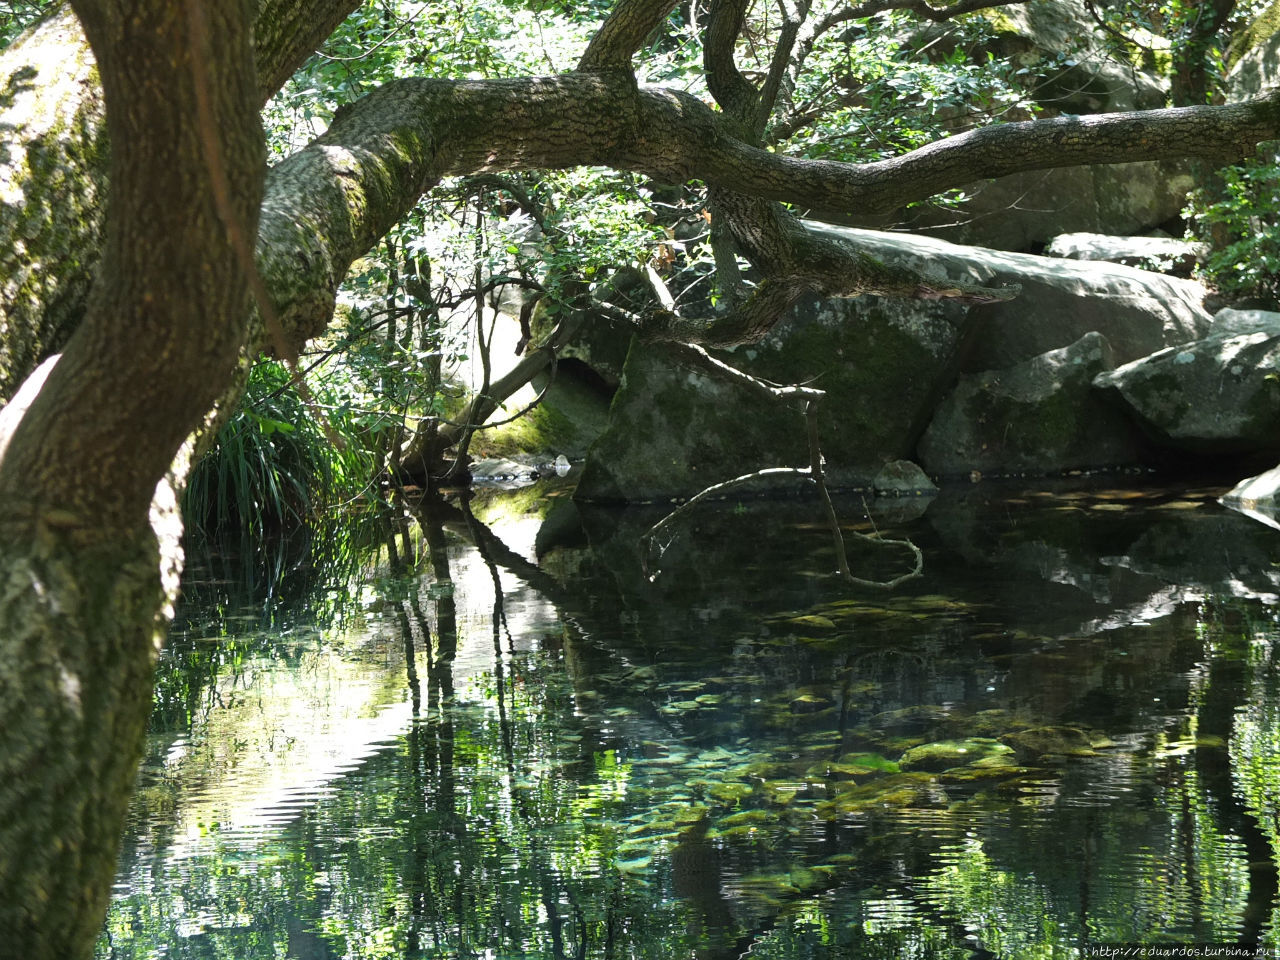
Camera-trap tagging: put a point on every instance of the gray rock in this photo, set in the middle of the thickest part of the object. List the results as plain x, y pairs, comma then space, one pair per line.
1162, 254
1025, 210
1039, 32
1258, 67
1217, 395
1038, 416
902, 478
1138, 311
674, 431
884, 363
1232, 323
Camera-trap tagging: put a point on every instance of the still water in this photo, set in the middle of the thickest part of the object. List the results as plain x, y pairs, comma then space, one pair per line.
486, 731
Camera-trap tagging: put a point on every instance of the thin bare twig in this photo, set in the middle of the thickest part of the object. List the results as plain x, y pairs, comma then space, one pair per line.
813, 472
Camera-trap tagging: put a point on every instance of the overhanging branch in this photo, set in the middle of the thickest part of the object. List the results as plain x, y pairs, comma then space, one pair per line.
328, 204
623, 32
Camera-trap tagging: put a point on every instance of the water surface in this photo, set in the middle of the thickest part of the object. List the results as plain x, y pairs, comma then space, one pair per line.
495, 732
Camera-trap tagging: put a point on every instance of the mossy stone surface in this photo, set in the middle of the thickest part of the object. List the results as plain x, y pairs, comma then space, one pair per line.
1039, 416
1215, 395
674, 431
945, 754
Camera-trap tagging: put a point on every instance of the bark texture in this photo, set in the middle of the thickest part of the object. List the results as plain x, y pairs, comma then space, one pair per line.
53, 167
83, 574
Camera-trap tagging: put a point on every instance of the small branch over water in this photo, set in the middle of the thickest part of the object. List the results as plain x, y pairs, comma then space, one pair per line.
813, 472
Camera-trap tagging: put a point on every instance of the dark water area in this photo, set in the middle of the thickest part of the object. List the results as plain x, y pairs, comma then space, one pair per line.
505, 729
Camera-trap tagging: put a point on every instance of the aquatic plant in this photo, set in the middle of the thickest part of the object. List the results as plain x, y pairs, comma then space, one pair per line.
274, 465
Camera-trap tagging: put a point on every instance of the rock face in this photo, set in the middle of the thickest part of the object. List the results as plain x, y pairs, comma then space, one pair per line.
1257, 67
1231, 323
1138, 312
1038, 416
1026, 210
1162, 254
674, 431
1037, 33
885, 365
1217, 395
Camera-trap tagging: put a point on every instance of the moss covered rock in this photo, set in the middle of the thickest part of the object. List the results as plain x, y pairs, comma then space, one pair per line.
1039, 416
945, 754
1219, 395
1040, 742
674, 431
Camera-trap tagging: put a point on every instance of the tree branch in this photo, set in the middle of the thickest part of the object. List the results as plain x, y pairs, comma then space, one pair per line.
793, 20
736, 96
921, 9
328, 204
623, 32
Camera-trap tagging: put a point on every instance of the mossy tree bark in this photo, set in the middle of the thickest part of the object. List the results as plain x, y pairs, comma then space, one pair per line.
53, 167
84, 578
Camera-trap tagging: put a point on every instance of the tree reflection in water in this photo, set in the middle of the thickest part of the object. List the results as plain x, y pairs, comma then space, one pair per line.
493, 736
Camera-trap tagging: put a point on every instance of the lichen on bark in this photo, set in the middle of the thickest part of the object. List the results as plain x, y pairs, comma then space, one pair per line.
52, 186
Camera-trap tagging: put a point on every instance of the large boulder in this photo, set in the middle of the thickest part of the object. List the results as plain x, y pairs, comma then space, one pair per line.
1068, 66
1024, 211
1138, 312
1220, 395
674, 430
884, 363
1230, 322
1066, 69
1255, 56
1038, 416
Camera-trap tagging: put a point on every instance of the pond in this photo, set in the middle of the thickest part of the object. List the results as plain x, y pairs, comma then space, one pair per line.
489, 729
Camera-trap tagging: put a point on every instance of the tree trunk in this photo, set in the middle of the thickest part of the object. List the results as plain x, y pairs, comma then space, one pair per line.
53, 169
84, 576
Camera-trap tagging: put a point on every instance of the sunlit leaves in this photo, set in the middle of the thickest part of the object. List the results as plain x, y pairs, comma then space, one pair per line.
883, 86
1243, 221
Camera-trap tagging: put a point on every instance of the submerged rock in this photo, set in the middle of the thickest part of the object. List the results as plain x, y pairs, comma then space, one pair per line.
902, 478
1040, 416
945, 754
1039, 742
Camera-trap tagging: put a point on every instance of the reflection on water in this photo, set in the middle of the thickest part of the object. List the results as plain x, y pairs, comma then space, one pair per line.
500, 739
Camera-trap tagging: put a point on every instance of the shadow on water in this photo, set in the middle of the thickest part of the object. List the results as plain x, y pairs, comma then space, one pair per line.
488, 733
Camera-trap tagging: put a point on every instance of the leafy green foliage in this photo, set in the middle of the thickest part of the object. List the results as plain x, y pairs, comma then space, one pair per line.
880, 87
1242, 223
273, 465
17, 15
